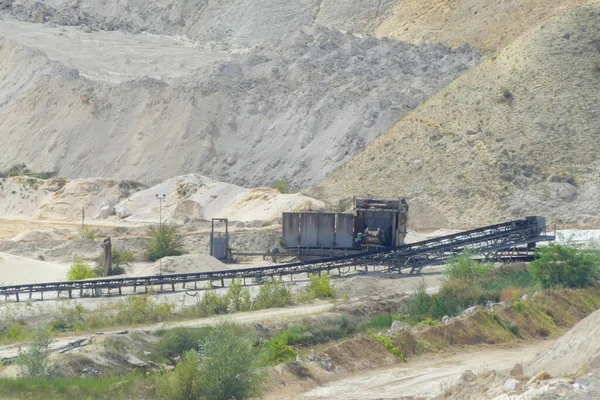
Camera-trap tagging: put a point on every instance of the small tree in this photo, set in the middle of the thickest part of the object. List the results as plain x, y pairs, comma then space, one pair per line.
238, 296
120, 262
565, 265
80, 270
34, 361
230, 364
164, 242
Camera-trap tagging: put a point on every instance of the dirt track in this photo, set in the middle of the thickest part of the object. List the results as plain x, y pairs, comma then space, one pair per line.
424, 377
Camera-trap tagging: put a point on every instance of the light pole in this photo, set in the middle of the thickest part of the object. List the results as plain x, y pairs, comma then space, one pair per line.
160, 200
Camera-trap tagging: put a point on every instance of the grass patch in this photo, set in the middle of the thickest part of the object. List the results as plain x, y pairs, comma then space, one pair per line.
108, 387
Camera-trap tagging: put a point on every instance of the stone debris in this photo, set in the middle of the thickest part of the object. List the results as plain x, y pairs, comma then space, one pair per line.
136, 362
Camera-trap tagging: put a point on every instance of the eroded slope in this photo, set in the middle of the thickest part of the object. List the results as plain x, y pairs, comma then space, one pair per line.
517, 135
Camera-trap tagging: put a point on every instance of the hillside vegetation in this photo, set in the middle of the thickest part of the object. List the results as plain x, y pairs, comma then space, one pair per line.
517, 135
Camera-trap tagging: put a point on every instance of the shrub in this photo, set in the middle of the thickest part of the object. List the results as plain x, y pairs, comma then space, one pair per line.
164, 242
278, 350
273, 293
565, 265
185, 382
464, 267
320, 286
211, 304
175, 342
120, 262
417, 304
281, 185
87, 233
238, 296
455, 296
34, 361
230, 364
80, 270
141, 309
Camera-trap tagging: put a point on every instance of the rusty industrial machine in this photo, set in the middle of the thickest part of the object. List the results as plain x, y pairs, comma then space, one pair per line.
372, 225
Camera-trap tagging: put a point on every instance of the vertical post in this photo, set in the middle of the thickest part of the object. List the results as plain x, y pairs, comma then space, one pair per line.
107, 256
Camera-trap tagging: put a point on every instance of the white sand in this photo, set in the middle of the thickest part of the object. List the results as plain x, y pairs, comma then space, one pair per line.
16, 270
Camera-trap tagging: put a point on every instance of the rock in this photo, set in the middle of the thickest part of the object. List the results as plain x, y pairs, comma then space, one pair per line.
524, 297
86, 29
123, 212
399, 326
567, 192
542, 376
107, 209
418, 164
445, 319
469, 311
517, 370
136, 362
298, 358
510, 385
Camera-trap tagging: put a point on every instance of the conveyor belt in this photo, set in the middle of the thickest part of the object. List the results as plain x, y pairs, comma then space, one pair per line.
490, 241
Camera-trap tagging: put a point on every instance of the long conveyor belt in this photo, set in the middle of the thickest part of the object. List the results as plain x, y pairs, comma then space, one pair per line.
487, 241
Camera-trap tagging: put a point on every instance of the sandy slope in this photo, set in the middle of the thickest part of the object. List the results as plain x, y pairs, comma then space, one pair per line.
145, 107
515, 136
16, 270
488, 24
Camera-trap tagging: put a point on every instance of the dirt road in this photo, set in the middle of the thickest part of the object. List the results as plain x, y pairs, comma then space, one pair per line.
425, 377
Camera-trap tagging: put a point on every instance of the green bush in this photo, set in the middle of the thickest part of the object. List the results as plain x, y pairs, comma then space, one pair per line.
278, 350
185, 382
175, 342
464, 267
320, 286
212, 304
164, 242
418, 303
230, 364
34, 361
565, 265
80, 270
281, 185
273, 293
87, 233
238, 297
120, 262
141, 309
383, 321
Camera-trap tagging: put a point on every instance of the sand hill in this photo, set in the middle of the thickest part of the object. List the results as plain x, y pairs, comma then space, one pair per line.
246, 109
517, 135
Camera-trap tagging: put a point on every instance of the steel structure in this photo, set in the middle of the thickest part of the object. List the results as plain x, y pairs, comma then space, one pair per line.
497, 241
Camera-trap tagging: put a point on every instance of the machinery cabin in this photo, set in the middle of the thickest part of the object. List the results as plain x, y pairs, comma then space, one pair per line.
374, 223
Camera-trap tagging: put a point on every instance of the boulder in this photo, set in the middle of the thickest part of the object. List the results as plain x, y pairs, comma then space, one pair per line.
510, 385
107, 209
136, 362
517, 370
123, 212
399, 326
